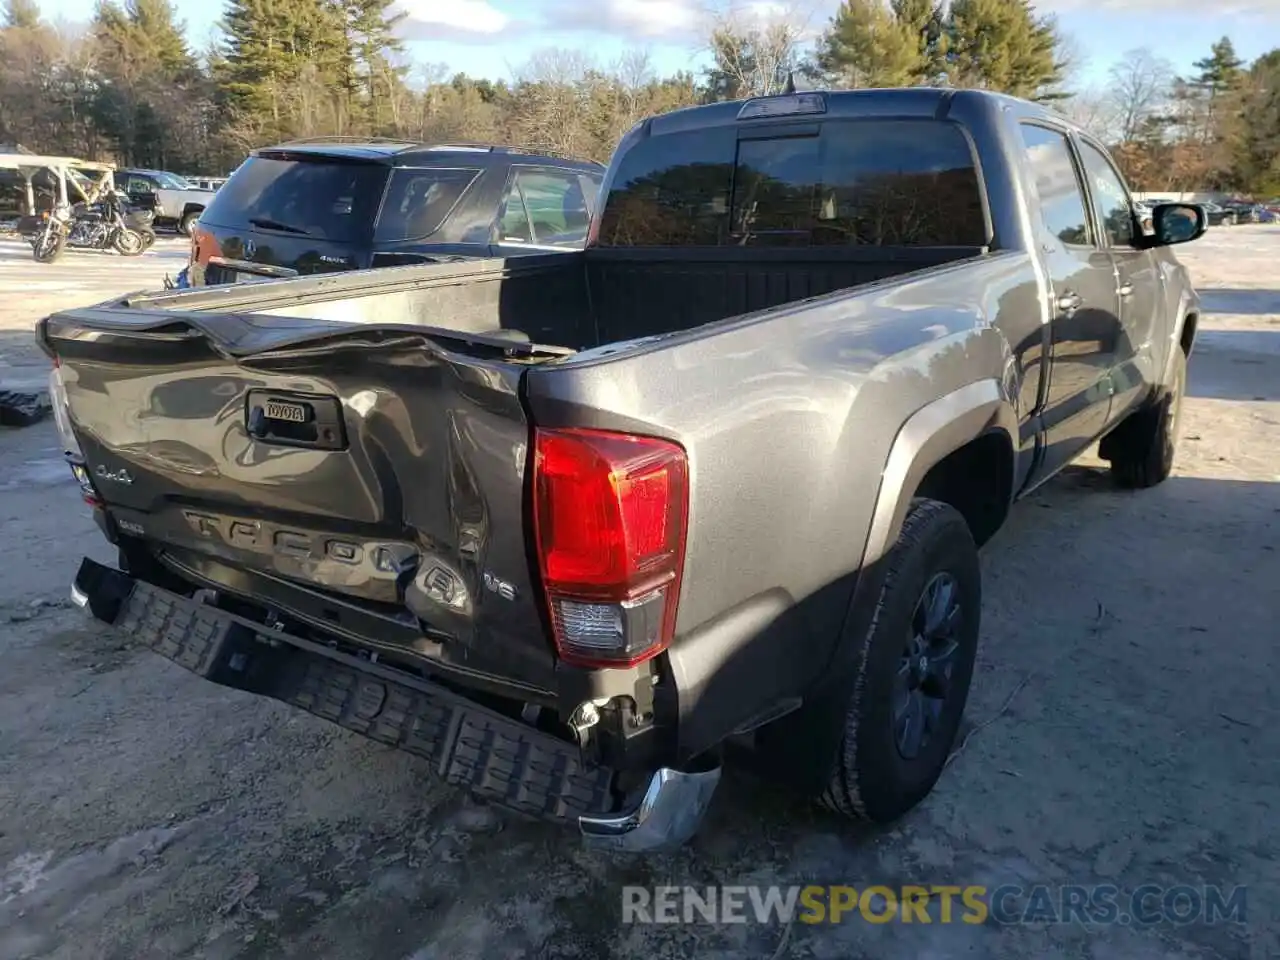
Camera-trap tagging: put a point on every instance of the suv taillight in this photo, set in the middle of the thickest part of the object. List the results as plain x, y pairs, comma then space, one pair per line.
610, 512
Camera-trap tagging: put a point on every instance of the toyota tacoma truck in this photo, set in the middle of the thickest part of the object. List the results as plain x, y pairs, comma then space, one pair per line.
175, 201
575, 528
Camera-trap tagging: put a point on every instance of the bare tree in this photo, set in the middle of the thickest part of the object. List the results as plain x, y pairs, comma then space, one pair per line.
1092, 109
554, 100
754, 49
1074, 60
1140, 84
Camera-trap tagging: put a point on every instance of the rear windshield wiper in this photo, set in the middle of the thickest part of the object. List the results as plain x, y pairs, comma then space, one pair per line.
267, 224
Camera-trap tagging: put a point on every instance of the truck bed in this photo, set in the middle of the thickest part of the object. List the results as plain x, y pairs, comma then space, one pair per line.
576, 300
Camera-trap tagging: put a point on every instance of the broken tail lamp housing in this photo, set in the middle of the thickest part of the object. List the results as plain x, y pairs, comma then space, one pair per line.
70, 446
610, 519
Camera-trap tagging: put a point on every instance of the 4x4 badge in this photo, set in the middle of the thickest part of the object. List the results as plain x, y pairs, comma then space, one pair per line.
115, 476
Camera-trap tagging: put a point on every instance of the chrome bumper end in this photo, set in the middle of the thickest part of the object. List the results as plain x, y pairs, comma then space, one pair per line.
667, 817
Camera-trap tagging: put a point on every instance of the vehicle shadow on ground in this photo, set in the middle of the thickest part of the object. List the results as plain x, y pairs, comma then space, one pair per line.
1241, 302
1236, 364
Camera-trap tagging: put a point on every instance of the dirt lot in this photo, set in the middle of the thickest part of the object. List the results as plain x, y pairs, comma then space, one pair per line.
146, 814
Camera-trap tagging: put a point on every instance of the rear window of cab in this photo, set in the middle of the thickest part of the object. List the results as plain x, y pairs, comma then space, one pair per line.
851, 182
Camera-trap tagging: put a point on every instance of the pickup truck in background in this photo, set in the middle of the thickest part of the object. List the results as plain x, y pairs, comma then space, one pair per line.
574, 527
176, 202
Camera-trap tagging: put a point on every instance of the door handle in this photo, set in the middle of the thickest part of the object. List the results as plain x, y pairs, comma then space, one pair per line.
1126, 290
1069, 302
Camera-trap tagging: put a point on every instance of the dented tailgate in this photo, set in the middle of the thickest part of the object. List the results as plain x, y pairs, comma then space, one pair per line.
381, 465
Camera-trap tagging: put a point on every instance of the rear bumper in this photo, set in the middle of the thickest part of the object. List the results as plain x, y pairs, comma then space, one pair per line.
492, 755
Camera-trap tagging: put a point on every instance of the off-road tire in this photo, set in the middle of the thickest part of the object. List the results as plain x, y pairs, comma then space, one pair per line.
1141, 449
188, 221
871, 779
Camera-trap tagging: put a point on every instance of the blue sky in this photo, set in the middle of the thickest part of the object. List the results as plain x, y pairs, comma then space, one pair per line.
494, 37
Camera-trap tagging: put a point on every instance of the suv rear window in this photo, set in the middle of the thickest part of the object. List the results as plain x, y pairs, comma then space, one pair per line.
322, 198
843, 183
418, 200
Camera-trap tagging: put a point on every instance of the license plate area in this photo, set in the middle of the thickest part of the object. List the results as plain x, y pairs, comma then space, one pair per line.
290, 419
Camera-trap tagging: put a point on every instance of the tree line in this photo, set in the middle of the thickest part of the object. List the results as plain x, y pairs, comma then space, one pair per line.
130, 87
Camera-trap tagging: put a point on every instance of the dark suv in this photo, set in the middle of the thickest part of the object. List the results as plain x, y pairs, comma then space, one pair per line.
327, 205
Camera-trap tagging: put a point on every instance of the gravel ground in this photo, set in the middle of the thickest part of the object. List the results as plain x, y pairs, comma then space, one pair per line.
1123, 733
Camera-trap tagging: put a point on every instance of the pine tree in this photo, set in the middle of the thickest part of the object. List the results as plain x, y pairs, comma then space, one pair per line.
1210, 110
926, 21
1257, 158
22, 14
146, 71
1002, 45
159, 37
1221, 71
286, 65
869, 45
371, 44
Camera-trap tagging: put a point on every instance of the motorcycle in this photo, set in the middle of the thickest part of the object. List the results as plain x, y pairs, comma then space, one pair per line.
105, 225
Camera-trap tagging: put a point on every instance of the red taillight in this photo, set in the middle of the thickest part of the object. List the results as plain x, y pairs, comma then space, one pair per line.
609, 517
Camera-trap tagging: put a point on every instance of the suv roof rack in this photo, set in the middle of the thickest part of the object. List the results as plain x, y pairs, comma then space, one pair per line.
459, 145
335, 139
503, 148
543, 152
463, 145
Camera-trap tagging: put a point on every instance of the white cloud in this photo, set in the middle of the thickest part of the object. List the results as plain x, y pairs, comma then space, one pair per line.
671, 21
641, 19
1269, 9
457, 16
652, 18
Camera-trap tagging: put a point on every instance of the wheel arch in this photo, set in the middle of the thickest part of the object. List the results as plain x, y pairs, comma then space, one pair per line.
972, 426
801, 747
1186, 328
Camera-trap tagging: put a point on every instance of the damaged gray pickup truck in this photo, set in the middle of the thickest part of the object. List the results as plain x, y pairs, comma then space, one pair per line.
574, 528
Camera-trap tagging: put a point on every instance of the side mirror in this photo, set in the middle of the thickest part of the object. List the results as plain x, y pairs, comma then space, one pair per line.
1176, 223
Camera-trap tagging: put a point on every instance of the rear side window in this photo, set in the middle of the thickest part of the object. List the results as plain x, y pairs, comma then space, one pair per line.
1057, 183
321, 198
844, 183
550, 207
419, 200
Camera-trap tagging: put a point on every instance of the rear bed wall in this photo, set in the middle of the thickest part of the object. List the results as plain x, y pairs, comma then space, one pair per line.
621, 294
644, 292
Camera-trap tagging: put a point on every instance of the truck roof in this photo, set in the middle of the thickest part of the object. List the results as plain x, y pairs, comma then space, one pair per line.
407, 153
871, 102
